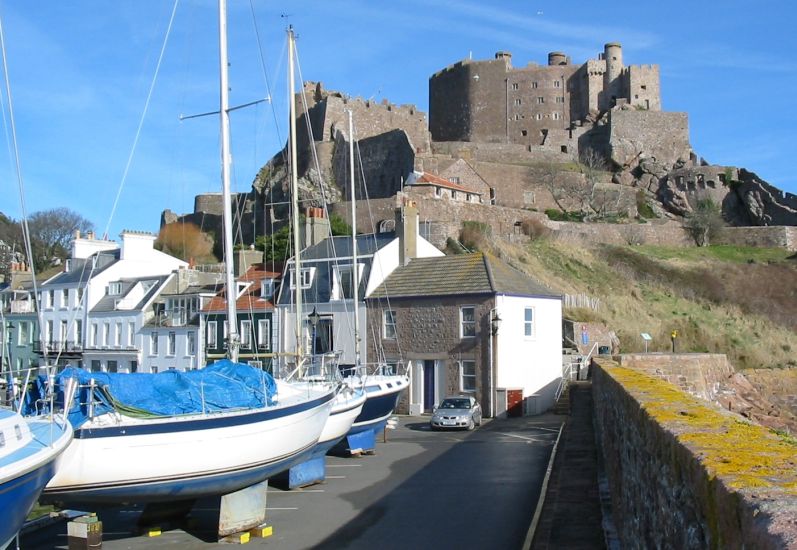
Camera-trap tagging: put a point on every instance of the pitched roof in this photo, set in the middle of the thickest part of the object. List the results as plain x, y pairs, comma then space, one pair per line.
81, 269
250, 299
108, 302
431, 179
477, 273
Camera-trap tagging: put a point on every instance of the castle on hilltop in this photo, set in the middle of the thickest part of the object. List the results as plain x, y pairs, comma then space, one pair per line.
492, 101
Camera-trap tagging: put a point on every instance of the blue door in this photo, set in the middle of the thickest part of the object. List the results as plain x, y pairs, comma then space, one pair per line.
428, 385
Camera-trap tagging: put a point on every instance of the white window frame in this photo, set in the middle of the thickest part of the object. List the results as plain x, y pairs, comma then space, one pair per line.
64, 298
463, 323
386, 325
190, 343
246, 334
78, 332
171, 343
213, 335
263, 331
528, 325
153, 343
131, 334
307, 277
267, 288
115, 288
463, 376
117, 337
106, 334
93, 335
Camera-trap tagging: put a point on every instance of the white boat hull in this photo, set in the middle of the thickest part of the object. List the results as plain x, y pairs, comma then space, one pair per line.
121, 459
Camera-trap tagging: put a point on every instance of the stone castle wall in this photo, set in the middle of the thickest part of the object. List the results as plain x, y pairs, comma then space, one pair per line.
685, 475
656, 134
698, 374
492, 101
773, 236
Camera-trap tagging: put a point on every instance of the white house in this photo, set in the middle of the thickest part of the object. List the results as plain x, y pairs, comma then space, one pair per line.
67, 299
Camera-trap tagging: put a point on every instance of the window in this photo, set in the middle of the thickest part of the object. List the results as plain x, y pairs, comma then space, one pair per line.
79, 297
153, 343
307, 277
212, 335
540, 100
64, 298
79, 331
467, 322
557, 83
190, 345
115, 288
106, 333
517, 101
93, 335
113, 365
263, 333
96, 366
153, 369
524, 133
23, 334
528, 322
133, 365
323, 336
389, 325
344, 283
171, 343
534, 85
63, 335
49, 331
131, 333
538, 116
246, 334
514, 85
117, 336
454, 179
467, 372
267, 288
560, 99
50, 298
557, 116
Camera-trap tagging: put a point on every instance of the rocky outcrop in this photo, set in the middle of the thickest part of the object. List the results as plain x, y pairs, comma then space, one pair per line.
764, 203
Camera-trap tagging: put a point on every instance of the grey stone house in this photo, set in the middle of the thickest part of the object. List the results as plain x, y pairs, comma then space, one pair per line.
469, 324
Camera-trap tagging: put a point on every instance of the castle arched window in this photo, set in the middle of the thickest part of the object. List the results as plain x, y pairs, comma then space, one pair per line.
538, 116
515, 85
517, 101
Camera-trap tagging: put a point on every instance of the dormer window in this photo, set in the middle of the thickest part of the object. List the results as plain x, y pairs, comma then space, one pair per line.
115, 288
307, 277
267, 288
239, 288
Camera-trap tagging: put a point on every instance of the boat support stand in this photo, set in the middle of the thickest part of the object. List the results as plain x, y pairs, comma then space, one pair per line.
243, 514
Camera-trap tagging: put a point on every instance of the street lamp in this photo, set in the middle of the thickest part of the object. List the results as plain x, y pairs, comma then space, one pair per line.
495, 322
314, 318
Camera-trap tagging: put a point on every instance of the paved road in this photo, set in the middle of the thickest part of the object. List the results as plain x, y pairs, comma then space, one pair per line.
422, 489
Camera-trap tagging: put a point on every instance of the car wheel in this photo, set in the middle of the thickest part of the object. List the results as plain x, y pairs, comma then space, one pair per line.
471, 424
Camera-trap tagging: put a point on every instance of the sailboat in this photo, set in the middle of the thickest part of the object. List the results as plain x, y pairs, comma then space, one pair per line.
348, 402
124, 452
29, 449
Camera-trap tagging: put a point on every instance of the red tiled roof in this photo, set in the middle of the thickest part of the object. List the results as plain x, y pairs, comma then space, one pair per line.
250, 300
428, 178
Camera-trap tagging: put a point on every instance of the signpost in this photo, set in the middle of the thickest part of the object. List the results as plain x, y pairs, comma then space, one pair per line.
647, 338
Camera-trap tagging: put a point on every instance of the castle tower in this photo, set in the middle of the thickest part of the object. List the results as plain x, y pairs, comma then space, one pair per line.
557, 58
612, 83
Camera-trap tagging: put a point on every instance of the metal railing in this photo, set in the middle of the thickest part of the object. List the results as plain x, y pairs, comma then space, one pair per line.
573, 370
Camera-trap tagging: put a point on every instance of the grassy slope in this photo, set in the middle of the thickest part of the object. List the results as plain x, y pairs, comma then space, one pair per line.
732, 300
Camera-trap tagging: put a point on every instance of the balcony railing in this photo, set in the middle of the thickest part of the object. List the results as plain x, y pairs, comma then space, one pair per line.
21, 306
56, 347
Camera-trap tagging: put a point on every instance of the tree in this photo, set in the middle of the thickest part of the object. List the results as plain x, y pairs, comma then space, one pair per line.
704, 222
186, 241
275, 246
51, 232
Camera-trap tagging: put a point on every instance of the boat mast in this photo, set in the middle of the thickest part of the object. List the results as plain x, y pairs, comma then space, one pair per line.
232, 321
297, 266
355, 272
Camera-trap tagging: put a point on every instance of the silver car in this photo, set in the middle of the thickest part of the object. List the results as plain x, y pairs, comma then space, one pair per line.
461, 411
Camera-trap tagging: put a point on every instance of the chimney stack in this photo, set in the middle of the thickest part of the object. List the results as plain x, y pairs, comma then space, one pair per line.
245, 258
316, 227
407, 232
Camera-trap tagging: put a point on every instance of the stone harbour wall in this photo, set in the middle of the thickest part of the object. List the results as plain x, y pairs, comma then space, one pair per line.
698, 374
684, 475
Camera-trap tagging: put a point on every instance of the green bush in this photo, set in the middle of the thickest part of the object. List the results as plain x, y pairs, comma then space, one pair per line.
559, 216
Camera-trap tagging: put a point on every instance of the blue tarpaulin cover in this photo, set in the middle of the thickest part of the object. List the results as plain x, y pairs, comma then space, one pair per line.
223, 385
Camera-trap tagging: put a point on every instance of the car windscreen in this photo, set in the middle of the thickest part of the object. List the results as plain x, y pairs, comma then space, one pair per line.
455, 404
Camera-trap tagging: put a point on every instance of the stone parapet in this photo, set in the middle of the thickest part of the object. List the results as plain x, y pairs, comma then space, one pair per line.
685, 475
774, 236
698, 374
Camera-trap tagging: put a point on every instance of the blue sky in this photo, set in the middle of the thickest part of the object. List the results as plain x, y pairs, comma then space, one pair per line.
80, 73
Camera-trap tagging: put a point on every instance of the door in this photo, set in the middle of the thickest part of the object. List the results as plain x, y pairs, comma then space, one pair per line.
428, 385
514, 402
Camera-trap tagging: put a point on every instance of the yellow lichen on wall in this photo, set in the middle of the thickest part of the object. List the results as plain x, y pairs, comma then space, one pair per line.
743, 455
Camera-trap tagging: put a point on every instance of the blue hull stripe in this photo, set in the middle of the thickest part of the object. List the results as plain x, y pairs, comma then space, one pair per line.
377, 407
213, 420
17, 497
